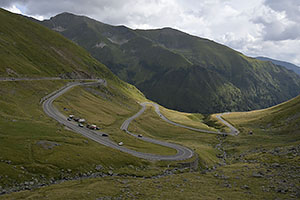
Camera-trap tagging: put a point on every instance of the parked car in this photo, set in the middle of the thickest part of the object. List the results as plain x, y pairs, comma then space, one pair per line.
140, 135
93, 127
81, 120
80, 125
69, 119
71, 116
76, 119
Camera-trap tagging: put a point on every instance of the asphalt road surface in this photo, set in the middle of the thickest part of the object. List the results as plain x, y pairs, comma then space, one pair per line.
41, 79
233, 130
183, 153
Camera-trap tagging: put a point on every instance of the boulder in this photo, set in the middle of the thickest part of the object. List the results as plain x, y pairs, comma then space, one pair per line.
98, 167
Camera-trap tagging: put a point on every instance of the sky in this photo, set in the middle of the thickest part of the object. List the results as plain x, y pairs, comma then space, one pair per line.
268, 28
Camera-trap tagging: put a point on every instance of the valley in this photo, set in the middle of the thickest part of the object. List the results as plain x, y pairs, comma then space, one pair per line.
144, 149
170, 67
221, 158
265, 155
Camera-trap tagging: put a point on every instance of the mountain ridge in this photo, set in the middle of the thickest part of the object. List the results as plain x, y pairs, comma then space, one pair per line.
151, 59
285, 64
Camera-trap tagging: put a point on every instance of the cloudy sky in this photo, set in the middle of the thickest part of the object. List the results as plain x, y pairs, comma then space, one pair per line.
256, 27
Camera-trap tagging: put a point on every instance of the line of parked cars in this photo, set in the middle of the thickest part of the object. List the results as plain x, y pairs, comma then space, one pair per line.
82, 121
90, 126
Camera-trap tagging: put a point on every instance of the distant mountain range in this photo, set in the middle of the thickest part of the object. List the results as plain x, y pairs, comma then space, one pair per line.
287, 65
178, 70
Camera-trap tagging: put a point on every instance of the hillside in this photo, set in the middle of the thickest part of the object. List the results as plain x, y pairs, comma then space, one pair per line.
35, 147
244, 167
178, 70
283, 118
37, 150
29, 49
287, 65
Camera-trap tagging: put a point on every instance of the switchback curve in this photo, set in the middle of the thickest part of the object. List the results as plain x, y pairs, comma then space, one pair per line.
183, 153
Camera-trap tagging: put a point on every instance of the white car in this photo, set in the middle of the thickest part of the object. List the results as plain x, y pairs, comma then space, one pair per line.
81, 120
80, 125
120, 143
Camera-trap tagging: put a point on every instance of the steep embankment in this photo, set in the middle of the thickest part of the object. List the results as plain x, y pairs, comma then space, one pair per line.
181, 71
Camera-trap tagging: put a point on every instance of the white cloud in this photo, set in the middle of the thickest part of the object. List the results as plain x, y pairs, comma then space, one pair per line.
38, 17
257, 27
14, 9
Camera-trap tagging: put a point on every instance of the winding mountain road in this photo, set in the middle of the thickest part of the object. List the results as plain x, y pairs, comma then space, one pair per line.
183, 153
233, 130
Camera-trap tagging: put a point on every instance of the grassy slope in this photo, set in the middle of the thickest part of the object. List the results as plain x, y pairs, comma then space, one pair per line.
271, 127
247, 155
23, 124
282, 117
29, 49
195, 120
183, 186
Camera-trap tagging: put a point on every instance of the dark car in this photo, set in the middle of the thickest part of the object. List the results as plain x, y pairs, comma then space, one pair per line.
104, 135
69, 119
139, 135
